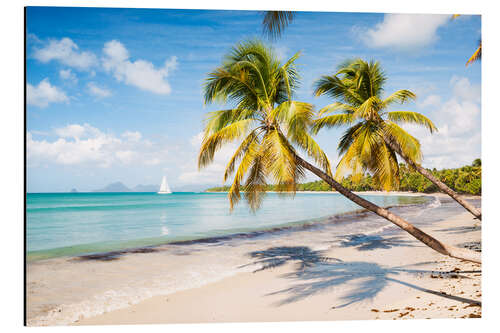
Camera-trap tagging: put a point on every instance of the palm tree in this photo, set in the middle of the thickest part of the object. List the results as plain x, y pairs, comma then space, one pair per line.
374, 138
275, 22
271, 127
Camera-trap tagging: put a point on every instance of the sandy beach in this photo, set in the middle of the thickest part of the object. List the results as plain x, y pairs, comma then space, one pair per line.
389, 278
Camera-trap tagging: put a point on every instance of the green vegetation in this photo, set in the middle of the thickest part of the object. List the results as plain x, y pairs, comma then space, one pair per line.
271, 125
466, 180
372, 130
373, 137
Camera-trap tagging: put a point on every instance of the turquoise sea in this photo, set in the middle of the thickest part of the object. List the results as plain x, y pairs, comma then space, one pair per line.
106, 251
68, 224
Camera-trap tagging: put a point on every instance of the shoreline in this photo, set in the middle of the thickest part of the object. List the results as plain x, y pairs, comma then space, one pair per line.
401, 280
402, 193
155, 272
114, 251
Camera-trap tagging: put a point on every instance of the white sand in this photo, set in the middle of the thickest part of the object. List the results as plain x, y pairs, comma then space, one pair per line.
397, 282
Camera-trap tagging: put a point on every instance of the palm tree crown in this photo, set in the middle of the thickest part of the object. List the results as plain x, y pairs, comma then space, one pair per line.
358, 87
265, 120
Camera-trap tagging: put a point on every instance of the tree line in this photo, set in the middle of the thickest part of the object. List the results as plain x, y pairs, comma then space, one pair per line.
464, 180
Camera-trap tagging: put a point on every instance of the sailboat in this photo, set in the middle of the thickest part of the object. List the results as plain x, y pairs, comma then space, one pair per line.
164, 188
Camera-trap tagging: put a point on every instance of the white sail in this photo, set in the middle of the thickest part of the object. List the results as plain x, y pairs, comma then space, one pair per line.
164, 188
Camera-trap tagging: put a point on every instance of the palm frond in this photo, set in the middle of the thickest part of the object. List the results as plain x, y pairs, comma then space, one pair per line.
348, 138
255, 185
296, 116
408, 144
400, 96
408, 117
332, 121
350, 163
385, 167
476, 55
312, 149
337, 89
217, 120
282, 165
247, 144
370, 108
289, 77
275, 22
223, 86
250, 155
211, 144
336, 107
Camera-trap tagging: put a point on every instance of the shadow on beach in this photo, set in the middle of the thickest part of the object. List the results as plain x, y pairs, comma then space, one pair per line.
364, 242
460, 230
315, 273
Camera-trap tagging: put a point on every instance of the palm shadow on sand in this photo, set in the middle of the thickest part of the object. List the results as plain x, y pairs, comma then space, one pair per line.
315, 273
461, 230
364, 242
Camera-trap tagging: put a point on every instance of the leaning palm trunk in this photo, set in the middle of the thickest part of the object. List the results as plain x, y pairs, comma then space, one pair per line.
442, 186
271, 124
428, 240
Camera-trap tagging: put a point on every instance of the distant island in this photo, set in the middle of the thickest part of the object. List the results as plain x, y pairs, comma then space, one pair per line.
465, 180
120, 187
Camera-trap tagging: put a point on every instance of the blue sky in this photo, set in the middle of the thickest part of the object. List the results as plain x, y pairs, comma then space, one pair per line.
116, 94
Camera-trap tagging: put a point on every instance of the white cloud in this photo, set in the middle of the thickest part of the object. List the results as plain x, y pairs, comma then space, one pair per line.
74, 131
464, 90
458, 119
67, 52
431, 100
67, 74
44, 93
85, 145
125, 156
153, 161
132, 136
140, 73
97, 91
404, 31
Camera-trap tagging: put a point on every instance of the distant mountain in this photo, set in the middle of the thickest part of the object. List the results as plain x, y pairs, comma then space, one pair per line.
114, 187
120, 187
74, 190
145, 188
192, 188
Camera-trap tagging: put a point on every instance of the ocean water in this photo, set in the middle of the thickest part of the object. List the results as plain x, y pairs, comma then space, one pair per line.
93, 253
64, 224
